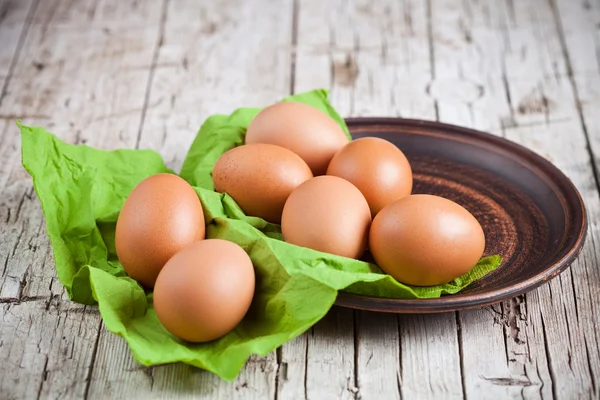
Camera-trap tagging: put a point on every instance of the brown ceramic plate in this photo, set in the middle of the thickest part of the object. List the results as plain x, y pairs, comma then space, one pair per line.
532, 215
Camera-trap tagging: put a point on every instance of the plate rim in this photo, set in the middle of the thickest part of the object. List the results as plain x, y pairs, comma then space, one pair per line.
459, 301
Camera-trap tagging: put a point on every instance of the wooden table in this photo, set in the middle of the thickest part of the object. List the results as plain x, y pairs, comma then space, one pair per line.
129, 73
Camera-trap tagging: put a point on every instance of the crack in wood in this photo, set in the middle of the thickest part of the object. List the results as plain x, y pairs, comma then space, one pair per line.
88, 378
17, 53
278, 372
548, 357
311, 330
14, 249
23, 281
504, 334
355, 388
514, 313
509, 381
537, 370
590, 369
44, 377
294, 43
149, 372
400, 365
27, 194
461, 355
4, 7
561, 34
14, 117
159, 44
431, 54
24, 299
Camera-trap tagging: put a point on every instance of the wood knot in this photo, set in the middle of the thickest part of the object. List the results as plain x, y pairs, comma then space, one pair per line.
345, 72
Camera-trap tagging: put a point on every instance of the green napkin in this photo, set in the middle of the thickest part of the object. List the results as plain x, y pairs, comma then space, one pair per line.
82, 189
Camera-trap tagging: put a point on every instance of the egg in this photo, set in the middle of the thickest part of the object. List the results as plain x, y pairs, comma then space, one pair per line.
260, 177
204, 290
426, 240
303, 129
161, 216
377, 168
328, 214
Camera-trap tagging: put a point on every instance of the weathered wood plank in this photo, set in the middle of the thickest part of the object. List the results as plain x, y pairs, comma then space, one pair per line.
513, 51
378, 355
568, 318
214, 59
46, 347
117, 375
472, 49
86, 85
496, 67
75, 78
211, 59
430, 357
330, 357
376, 59
14, 24
578, 26
564, 310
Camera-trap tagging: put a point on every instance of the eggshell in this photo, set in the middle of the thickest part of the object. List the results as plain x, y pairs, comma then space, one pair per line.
426, 240
305, 130
328, 214
260, 177
204, 290
161, 216
377, 168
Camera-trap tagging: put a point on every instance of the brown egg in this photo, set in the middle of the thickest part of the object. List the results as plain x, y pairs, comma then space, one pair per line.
426, 240
328, 214
305, 130
205, 290
161, 216
260, 177
377, 168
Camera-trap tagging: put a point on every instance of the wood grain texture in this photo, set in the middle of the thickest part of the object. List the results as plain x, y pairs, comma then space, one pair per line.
15, 19
200, 69
376, 59
73, 77
128, 73
530, 93
472, 50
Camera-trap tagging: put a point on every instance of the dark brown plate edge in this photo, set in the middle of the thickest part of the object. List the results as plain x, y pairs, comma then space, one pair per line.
469, 301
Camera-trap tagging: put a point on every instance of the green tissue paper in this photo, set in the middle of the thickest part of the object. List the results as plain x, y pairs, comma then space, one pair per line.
82, 190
